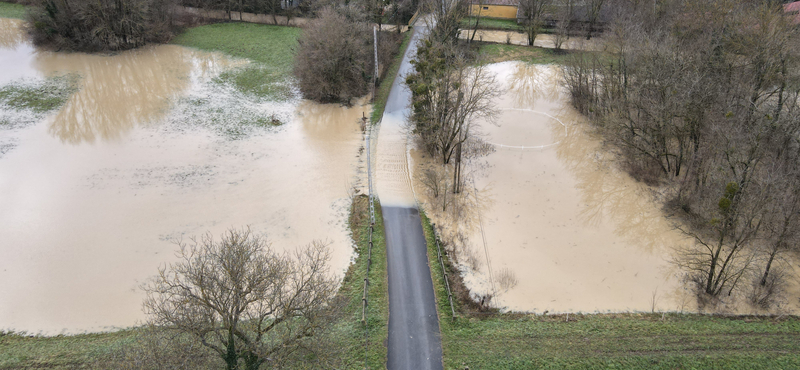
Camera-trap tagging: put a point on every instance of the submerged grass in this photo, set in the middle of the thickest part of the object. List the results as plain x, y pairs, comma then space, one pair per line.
270, 49
610, 341
9, 10
382, 93
39, 96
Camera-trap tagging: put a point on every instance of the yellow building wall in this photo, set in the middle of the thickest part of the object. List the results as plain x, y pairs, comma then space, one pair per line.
494, 11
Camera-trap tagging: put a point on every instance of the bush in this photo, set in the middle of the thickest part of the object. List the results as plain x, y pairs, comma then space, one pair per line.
335, 61
100, 25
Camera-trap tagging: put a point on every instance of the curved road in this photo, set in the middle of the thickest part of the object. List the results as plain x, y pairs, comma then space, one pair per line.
414, 337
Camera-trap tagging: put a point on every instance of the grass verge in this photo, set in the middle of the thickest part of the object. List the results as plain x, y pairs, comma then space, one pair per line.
490, 24
270, 49
20, 351
382, 93
377, 324
9, 10
98, 350
610, 341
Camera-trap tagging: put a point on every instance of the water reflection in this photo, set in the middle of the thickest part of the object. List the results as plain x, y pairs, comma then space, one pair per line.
11, 33
528, 83
121, 91
575, 233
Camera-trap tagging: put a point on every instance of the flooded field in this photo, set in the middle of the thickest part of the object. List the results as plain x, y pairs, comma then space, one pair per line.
550, 223
148, 150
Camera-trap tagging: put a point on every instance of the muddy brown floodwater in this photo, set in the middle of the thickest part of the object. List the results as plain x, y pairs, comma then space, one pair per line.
555, 226
94, 193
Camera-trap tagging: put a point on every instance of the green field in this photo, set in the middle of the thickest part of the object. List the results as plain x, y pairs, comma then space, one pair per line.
9, 10
269, 48
491, 24
610, 341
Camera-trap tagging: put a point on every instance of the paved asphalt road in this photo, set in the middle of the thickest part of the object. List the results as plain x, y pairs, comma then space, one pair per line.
414, 337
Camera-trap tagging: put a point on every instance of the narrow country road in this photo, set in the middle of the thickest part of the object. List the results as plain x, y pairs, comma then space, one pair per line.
414, 337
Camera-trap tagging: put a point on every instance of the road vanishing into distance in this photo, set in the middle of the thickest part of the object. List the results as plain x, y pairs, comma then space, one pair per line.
414, 337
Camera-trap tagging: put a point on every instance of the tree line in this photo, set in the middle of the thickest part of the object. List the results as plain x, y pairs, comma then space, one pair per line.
100, 25
701, 97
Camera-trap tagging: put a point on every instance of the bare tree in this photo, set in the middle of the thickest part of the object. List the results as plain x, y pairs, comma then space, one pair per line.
564, 13
247, 303
334, 60
449, 97
593, 9
532, 17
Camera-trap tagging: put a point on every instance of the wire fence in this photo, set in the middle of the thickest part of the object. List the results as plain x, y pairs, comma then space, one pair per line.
370, 231
444, 273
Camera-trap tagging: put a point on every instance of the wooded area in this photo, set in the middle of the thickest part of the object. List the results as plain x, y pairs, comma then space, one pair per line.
100, 25
702, 98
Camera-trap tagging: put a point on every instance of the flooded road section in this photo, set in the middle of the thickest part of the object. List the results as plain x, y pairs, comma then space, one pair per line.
563, 230
94, 194
392, 172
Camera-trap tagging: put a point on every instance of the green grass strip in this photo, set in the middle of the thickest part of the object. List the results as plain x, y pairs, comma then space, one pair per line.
19, 351
9, 10
490, 24
377, 324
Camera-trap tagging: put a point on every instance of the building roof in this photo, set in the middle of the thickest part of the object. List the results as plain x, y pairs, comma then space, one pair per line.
501, 2
793, 9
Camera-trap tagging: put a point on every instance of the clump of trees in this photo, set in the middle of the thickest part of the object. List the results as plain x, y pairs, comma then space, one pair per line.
450, 93
244, 302
335, 61
100, 25
702, 96
336, 55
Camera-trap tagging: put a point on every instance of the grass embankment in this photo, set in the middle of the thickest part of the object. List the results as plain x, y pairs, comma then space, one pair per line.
610, 341
9, 10
60, 352
269, 48
377, 291
382, 93
491, 24
496, 53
